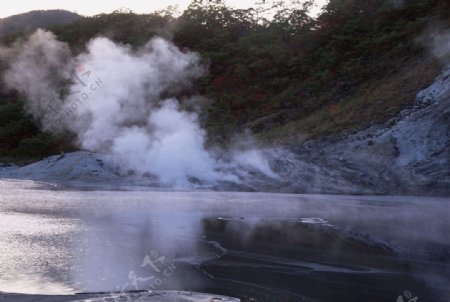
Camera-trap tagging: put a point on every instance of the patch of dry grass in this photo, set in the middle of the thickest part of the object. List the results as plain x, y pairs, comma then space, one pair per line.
375, 102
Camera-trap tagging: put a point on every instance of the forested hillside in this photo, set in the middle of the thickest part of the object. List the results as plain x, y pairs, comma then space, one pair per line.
35, 19
275, 69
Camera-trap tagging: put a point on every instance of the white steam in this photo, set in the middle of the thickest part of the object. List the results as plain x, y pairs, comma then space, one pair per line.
437, 39
122, 102
441, 45
38, 69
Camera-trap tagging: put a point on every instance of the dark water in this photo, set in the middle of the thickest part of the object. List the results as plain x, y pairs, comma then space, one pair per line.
257, 247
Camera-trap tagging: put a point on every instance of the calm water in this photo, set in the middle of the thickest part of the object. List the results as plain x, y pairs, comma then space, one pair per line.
257, 247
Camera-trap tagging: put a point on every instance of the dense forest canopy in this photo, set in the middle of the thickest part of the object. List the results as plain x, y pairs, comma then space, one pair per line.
276, 68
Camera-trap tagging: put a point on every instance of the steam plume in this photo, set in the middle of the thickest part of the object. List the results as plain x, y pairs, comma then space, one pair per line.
122, 102
437, 39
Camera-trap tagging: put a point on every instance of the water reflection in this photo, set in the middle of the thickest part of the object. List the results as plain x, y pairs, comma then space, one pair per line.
269, 247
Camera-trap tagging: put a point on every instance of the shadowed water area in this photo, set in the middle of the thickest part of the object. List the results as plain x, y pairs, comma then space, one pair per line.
252, 246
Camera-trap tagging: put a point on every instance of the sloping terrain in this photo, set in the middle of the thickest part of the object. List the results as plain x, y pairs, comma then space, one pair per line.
340, 101
410, 154
30, 21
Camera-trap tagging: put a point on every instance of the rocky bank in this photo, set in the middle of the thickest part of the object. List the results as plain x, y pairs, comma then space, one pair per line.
410, 154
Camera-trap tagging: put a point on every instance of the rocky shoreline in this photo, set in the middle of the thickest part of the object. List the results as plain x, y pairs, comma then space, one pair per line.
154, 296
410, 154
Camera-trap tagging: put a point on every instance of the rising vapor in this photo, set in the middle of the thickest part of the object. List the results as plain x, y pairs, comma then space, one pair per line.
122, 102
437, 40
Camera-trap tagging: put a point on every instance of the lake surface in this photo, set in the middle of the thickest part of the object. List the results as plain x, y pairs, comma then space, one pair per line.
253, 246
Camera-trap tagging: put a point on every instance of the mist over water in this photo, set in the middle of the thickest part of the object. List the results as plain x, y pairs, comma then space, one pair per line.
268, 246
122, 102
92, 230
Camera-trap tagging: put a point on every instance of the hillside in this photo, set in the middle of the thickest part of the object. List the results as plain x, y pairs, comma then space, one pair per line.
30, 21
408, 155
288, 79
